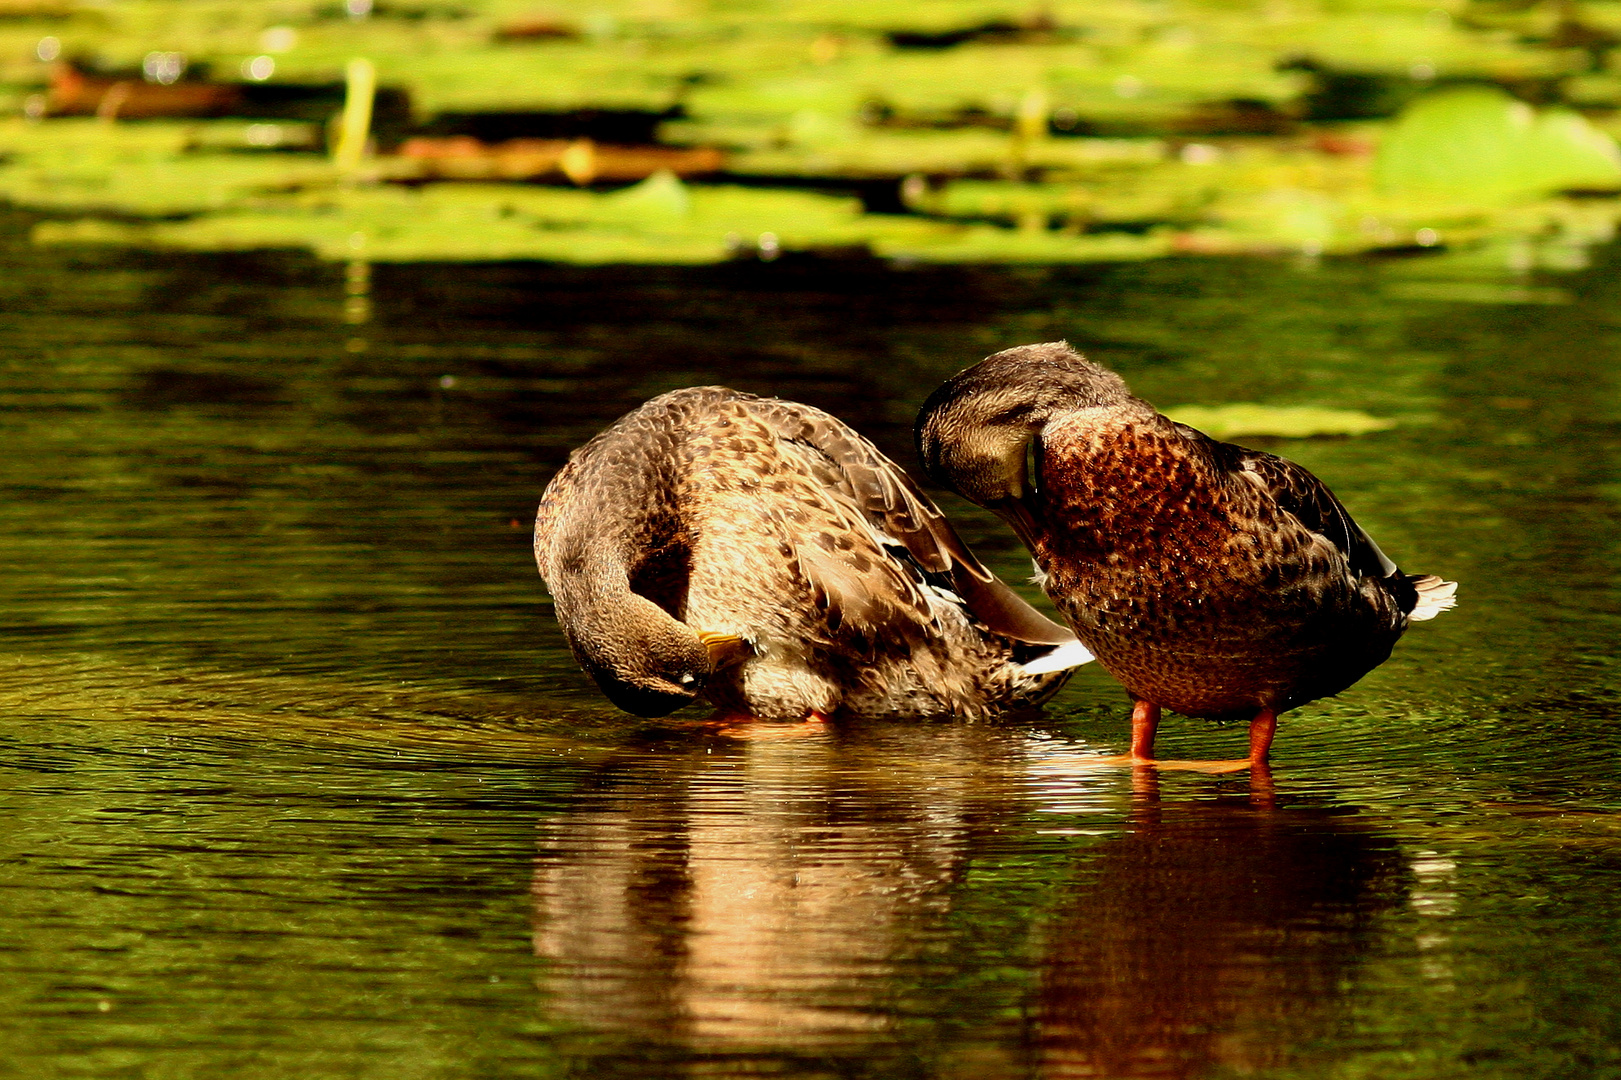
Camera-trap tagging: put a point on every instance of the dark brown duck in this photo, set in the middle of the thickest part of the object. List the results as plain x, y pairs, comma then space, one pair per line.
763, 555
1209, 579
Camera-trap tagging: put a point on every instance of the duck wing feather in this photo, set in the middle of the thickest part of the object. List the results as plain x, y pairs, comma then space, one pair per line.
1298, 492
874, 494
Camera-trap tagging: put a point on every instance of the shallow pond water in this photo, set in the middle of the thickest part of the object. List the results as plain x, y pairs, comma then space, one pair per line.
300, 780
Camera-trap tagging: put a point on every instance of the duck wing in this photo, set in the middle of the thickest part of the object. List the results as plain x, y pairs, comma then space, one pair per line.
875, 495
1298, 492
1419, 596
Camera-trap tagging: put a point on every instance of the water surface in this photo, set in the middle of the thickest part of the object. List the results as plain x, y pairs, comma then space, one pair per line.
301, 781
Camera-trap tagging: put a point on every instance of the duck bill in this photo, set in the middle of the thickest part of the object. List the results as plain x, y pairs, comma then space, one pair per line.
1017, 513
725, 649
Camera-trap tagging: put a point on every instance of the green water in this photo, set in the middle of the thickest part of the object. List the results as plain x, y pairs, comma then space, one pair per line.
298, 780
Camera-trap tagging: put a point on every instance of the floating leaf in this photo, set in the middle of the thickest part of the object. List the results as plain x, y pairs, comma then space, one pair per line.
1279, 421
1477, 142
660, 195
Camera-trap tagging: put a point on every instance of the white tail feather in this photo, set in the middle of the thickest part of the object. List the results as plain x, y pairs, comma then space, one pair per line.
1434, 597
1071, 654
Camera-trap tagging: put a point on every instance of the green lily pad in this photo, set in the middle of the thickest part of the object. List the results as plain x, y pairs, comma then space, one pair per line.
661, 196
1478, 142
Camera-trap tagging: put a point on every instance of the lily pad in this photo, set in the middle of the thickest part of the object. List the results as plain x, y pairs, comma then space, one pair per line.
661, 196
1277, 421
1478, 142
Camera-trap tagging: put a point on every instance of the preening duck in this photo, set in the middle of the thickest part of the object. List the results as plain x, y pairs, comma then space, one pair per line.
1209, 579
762, 554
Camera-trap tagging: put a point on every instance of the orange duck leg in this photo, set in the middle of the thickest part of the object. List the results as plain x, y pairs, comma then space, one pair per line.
1145, 723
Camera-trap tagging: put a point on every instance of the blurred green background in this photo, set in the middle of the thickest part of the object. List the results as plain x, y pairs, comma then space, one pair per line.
692, 131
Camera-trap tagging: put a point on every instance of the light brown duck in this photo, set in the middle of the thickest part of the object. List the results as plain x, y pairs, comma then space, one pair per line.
1209, 579
763, 555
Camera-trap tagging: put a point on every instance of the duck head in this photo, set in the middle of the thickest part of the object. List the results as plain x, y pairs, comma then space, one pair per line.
646, 662
977, 433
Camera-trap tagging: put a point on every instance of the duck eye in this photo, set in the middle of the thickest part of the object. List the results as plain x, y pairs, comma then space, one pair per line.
688, 679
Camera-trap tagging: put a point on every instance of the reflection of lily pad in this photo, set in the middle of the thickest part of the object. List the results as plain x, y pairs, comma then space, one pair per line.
1478, 292
1279, 421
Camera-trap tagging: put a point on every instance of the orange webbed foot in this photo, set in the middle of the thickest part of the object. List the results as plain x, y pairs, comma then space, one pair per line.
735, 724
1133, 761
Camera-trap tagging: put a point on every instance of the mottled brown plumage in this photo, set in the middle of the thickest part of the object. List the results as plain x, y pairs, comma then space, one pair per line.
1209, 579
763, 554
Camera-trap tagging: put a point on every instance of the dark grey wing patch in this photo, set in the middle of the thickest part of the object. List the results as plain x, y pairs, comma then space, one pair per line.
1308, 499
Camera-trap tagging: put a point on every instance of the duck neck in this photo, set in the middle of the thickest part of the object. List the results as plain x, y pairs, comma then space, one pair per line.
610, 624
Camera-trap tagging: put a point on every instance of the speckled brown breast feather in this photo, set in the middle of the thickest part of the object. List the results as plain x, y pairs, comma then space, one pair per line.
1191, 585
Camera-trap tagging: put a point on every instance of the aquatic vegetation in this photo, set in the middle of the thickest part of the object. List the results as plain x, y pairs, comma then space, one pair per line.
959, 131
1477, 142
145, 184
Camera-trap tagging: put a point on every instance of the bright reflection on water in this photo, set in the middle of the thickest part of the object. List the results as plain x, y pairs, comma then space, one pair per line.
300, 781
830, 895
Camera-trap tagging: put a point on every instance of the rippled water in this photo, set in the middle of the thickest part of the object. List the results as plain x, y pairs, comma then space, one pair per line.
300, 781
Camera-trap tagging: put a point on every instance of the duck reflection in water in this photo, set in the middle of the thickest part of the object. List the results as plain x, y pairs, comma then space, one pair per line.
1212, 938
875, 895
729, 894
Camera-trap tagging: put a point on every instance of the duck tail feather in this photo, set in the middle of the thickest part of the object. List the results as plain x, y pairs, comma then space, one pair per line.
1071, 654
1434, 597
